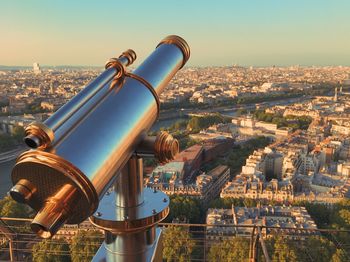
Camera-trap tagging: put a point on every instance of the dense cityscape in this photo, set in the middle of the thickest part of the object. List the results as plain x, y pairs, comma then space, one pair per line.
268, 147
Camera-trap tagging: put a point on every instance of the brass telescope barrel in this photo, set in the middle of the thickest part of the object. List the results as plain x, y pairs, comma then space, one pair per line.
41, 135
65, 181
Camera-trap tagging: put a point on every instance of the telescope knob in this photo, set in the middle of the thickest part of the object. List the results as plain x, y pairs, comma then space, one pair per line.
166, 147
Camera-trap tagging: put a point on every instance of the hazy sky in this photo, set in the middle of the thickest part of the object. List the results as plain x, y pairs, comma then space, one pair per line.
246, 32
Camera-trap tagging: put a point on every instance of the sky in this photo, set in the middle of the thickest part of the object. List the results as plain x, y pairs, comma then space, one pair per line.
219, 32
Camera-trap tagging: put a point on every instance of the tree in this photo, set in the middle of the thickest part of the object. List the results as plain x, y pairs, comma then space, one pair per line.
85, 245
318, 248
56, 250
320, 213
178, 125
235, 249
340, 256
344, 214
18, 133
184, 208
284, 251
191, 142
150, 161
195, 124
10, 208
225, 202
241, 111
177, 244
249, 202
236, 157
294, 122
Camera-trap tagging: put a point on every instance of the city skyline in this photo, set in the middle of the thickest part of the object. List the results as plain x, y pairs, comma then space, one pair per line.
258, 33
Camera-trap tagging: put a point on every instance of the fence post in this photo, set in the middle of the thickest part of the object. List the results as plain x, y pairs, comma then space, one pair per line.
251, 246
263, 246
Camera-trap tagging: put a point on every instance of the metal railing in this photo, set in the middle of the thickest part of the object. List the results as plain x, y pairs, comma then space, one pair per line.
193, 242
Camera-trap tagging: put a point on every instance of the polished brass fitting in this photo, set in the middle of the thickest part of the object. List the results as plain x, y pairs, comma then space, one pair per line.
166, 147
120, 64
55, 212
115, 63
180, 43
23, 191
38, 135
130, 55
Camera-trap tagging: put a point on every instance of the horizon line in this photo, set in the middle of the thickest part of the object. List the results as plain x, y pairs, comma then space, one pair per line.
188, 66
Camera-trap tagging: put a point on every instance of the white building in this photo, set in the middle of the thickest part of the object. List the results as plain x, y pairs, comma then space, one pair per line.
36, 68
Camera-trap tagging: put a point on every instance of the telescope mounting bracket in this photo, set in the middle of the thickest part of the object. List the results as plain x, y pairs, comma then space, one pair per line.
129, 212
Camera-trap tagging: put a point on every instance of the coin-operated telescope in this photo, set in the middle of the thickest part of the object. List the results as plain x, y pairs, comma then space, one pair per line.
86, 159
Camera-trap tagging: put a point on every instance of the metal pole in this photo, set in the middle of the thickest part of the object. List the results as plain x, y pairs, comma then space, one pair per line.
251, 245
128, 214
257, 248
128, 189
11, 250
263, 246
10, 235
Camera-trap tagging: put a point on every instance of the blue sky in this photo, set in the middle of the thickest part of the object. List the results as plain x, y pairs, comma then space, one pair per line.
245, 32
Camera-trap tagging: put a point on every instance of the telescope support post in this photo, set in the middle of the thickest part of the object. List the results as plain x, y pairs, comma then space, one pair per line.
132, 235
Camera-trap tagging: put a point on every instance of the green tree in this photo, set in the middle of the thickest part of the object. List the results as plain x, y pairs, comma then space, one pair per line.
197, 123
191, 142
320, 213
178, 125
150, 161
85, 245
284, 251
10, 208
236, 157
294, 122
344, 214
318, 248
177, 244
56, 250
241, 111
340, 256
249, 202
18, 133
235, 249
194, 125
233, 201
184, 208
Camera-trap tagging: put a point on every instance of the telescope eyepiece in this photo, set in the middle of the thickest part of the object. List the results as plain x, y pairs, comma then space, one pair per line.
22, 191
32, 141
54, 212
40, 230
38, 135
